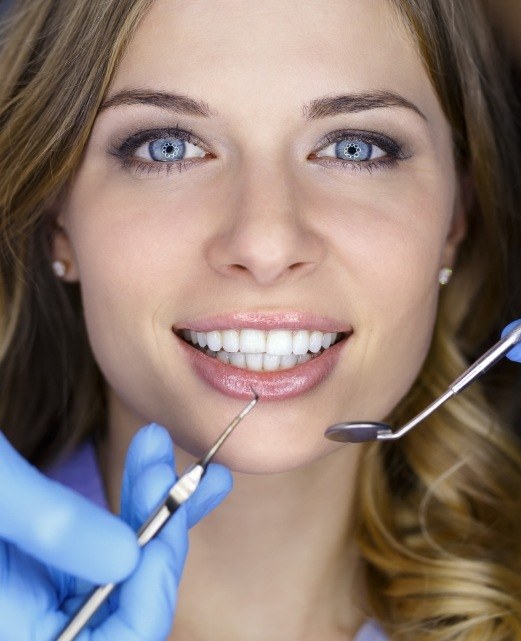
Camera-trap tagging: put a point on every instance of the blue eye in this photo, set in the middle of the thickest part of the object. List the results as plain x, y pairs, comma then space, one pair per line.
352, 149
168, 150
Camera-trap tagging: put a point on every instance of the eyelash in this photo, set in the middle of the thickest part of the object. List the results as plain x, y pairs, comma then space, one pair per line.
124, 151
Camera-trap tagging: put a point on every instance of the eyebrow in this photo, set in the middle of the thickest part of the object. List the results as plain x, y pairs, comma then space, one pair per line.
316, 109
356, 102
175, 102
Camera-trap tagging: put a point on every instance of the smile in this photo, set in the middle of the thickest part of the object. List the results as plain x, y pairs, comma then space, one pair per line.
262, 351
280, 355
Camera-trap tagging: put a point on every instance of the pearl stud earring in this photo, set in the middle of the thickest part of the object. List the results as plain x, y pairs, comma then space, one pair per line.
445, 275
60, 268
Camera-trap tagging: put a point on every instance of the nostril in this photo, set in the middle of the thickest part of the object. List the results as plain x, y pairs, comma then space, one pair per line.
297, 266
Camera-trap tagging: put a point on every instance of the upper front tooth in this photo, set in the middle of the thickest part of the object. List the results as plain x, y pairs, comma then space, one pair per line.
230, 339
276, 342
279, 342
315, 341
300, 341
214, 341
252, 341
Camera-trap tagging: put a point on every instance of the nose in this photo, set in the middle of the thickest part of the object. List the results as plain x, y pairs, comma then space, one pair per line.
264, 238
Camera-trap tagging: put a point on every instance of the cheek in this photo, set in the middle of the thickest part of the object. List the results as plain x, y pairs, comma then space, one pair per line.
134, 259
389, 240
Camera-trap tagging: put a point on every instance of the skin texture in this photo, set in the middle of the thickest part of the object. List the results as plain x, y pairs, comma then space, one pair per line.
261, 223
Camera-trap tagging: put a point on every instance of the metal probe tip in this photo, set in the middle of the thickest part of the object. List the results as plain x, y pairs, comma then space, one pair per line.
218, 444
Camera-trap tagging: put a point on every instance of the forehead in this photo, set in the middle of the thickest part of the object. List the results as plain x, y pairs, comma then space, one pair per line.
237, 54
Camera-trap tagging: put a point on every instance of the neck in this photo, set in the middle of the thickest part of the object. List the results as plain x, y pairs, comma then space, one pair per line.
275, 560
272, 534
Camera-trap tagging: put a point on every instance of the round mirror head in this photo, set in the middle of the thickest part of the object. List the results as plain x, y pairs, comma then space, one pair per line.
356, 432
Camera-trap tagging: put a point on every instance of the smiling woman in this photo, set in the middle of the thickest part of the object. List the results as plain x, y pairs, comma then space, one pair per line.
200, 198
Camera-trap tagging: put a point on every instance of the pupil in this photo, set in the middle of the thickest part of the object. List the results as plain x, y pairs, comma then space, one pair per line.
351, 149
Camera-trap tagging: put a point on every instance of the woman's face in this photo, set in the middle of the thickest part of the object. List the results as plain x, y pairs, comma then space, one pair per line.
310, 191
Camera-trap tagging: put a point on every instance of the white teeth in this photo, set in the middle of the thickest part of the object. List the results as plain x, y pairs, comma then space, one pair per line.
230, 340
252, 341
214, 340
223, 356
315, 342
238, 359
301, 341
288, 361
254, 362
260, 350
279, 342
326, 340
271, 362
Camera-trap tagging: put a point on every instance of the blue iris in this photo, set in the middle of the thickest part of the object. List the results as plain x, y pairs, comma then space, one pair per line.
354, 150
167, 149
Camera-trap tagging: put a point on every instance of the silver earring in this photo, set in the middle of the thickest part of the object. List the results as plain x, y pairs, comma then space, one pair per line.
59, 267
445, 275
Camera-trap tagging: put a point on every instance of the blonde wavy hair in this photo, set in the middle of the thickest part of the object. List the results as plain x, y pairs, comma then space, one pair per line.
439, 512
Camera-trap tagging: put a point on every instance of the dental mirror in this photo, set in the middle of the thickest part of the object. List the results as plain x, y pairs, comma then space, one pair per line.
367, 431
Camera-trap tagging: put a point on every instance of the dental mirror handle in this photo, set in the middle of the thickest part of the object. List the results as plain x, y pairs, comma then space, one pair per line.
490, 358
477, 369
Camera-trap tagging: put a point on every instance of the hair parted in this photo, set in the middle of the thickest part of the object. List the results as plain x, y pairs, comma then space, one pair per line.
438, 512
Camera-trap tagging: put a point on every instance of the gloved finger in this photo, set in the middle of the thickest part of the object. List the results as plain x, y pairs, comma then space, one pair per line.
145, 492
148, 599
163, 559
59, 527
152, 444
515, 353
215, 486
26, 594
148, 490
146, 602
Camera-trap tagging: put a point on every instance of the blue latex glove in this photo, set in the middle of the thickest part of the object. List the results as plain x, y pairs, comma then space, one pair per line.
515, 353
49, 535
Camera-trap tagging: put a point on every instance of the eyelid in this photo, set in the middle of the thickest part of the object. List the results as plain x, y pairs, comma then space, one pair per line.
130, 143
385, 143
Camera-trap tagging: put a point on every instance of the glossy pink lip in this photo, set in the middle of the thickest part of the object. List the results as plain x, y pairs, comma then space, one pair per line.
263, 320
280, 385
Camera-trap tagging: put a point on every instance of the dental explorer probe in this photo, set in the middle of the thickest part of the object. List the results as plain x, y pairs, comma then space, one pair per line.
361, 432
180, 492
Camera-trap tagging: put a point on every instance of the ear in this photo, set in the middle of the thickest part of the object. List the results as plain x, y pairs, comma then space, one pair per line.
62, 250
459, 223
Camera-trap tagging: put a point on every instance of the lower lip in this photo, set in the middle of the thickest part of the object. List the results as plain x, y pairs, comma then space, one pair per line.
238, 383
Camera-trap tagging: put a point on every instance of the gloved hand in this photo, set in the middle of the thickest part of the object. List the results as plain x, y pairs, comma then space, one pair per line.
515, 353
49, 535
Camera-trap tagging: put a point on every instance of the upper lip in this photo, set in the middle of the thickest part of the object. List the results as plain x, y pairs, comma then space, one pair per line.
266, 321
